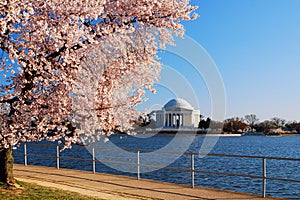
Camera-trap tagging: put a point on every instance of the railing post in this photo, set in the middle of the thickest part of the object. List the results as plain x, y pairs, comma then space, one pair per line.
264, 179
192, 170
25, 154
138, 165
93, 161
57, 156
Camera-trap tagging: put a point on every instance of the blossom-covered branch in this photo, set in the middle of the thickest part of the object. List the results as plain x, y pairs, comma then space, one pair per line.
81, 66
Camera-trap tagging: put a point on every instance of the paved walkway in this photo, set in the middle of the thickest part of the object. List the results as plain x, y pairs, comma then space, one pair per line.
106, 186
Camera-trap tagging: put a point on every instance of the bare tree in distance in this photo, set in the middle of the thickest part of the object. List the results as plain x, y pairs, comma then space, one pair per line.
278, 122
251, 119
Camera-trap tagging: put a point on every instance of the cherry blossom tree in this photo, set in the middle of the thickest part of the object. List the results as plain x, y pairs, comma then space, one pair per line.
75, 69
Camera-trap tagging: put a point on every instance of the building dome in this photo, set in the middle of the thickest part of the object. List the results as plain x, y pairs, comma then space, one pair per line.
178, 103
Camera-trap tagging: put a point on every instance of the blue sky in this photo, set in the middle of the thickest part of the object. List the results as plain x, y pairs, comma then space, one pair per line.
256, 46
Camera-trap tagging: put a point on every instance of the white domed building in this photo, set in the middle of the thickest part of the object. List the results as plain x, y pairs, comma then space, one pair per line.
177, 113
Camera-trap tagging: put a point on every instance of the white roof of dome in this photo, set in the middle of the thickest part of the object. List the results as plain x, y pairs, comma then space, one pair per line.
178, 103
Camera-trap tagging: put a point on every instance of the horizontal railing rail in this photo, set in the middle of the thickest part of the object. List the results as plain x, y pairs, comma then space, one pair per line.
192, 169
174, 152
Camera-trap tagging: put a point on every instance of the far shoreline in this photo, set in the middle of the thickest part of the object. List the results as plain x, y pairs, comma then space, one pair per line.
210, 133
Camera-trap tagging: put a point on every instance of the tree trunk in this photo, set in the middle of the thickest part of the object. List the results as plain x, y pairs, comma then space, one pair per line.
6, 166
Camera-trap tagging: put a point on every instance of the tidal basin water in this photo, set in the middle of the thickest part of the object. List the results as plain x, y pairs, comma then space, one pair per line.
285, 146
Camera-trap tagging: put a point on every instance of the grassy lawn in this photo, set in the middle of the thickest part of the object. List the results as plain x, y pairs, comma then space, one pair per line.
33, 191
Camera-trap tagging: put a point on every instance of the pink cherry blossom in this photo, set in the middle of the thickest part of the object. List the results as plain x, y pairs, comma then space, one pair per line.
82, 65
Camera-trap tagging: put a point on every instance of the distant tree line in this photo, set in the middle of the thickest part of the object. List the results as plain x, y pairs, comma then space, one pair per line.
250, 123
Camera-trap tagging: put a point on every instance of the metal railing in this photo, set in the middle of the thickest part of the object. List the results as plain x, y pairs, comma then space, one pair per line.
192, 169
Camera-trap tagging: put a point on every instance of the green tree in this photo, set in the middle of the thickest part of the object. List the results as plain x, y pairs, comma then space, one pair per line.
204, 124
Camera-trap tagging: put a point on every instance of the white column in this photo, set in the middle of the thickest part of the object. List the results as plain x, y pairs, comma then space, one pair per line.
175, 119
181, 120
